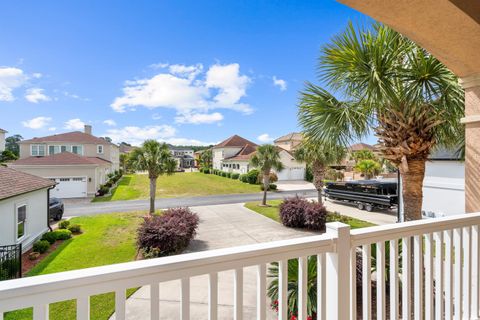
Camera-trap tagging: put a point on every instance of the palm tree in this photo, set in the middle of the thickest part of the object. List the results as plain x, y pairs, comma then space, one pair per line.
266, 158
393, 87
155, 158
319, 156
368, 167
206, 159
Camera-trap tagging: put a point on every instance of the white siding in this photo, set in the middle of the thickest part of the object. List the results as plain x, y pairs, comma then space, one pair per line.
36, 222
2, 141
221, 153
294, 170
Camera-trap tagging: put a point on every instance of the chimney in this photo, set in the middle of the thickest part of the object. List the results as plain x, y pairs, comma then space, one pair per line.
88, 129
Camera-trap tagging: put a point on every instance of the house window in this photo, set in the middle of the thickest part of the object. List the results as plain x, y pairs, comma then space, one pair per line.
64, 149
100, 149
38, 150
53, 149
21, 220
77, 150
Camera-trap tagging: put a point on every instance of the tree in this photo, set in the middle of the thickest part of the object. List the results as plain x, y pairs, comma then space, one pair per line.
155, 158
206, 159
392, 87
7, 155
319, 156
11, 144
266, 158
363, 155
368, 167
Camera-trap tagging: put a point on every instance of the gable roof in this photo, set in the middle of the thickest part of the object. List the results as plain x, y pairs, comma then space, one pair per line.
60, 159
75, 136
291, 136
126, 149
361, 146
244, 154
13, 182
235, 141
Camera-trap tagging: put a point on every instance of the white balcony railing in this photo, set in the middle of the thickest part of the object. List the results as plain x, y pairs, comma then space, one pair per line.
427, 269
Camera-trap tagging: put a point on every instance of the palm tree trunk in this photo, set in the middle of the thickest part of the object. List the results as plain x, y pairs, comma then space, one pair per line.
153, 190
412, 192
266, 186
318, 171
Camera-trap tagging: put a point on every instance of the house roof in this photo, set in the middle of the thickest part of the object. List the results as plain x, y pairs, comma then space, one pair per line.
125, 149
3, 131
361, 146
235, 141
75, 136
245, 154
13, 182
60, 159
291, 136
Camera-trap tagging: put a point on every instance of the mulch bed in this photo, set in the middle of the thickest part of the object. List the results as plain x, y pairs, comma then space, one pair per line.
28, 264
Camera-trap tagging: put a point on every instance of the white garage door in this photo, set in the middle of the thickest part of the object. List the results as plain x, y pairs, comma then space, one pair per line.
294, 173
69, 187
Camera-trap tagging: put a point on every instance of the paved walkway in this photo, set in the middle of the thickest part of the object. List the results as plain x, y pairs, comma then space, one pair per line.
377, 217
220, 226
294, 185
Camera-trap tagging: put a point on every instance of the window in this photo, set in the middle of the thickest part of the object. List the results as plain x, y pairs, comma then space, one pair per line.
100, 149
21, 220
38, 150
53, 149
64, 148
77, 150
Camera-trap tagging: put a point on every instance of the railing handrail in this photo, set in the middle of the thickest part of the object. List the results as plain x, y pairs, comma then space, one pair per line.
137, 273
406, 229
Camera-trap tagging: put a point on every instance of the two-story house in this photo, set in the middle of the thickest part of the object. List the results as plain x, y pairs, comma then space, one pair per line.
2, 139
289, 141
78, 161
184, 156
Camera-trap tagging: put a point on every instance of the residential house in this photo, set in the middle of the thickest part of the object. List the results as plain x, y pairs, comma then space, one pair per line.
125, 148
78, 161
2, 139
289, 141
184, 156
23, 207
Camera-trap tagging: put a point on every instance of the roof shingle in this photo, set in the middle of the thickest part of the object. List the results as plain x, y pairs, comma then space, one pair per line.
75, 136
235, 141
60, 159
13, 182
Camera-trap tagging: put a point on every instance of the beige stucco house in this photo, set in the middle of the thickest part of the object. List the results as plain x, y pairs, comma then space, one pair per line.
78, 161
289, 141
2, 139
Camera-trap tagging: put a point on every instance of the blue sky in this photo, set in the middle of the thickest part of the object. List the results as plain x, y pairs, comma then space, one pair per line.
186, 72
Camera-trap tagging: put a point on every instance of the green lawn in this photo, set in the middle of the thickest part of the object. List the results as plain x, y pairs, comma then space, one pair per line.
272, 212
107, 239
183, 184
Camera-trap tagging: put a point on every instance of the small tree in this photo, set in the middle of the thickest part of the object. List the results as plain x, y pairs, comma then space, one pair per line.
11, 144
266, 158
368, 167
155, 158
206, 159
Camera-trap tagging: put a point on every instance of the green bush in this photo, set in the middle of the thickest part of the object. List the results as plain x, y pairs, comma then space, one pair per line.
75, 228
62, 234
206, 171
243, 178
41, 246
63, 224
229, 174
224, 174
272, 187
252, 176
235, 175
50, 237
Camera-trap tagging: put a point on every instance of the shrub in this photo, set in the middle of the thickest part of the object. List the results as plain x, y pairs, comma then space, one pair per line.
273, 177
167, 234
50, 237
62, 234
298, 212
206, 171
103, 190
34, 255
252, 176
224, 174
229, 174
270, 188
309, 174
108, 184
63, 224
200, 170
41, 246
235, 175
9, 269
75, 228
243, 178
315, 216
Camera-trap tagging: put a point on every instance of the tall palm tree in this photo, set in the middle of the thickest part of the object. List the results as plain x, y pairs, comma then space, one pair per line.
368, 167
206, 159
319, 156
392, 87
266, 158
154, 157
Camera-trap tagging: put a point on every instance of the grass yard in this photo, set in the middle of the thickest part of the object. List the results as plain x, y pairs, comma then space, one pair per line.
182, 184
273, 212
106, 239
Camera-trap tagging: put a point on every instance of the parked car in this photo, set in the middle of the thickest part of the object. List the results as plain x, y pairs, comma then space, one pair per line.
55, 209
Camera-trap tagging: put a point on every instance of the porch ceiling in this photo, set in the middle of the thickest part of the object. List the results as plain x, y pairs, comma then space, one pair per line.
449, 29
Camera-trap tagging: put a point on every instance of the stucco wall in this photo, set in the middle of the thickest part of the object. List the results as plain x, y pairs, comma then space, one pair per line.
36, 222
2, 141
221, 153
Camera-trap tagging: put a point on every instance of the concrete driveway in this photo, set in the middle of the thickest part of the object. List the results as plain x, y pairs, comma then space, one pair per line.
220, 226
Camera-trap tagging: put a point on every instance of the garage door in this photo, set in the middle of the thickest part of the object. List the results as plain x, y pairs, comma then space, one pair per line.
294, 173
69, 187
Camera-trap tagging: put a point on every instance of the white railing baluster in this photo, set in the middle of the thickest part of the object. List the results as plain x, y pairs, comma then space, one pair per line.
428, 277
321, 287
448, 274
120, 298
366, 281
261, 292
475, 272
213, 296
154, 301
1, 315
458, 291
238, 295
283, 290
394, 279
353, 283
380, 266
83, 308
466, 271
302, 287
439, 257
406, 279
418, 277
40, 312
185, 299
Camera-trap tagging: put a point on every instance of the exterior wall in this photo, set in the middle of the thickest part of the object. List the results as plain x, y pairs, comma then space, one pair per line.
2, 141
243, 167
444, 188
36, 222
289, 162
221, 153
288, 145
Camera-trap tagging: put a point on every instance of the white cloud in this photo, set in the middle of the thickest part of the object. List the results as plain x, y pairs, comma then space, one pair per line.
110, 122
199, 118
37, 123
52, 129
10, 79
136, 135
184, 89
35, 95
265, 138
37, 75
156, 116
282, 84
74, 124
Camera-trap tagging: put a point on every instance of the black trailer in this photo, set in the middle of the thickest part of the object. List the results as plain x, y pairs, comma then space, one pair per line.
366, 194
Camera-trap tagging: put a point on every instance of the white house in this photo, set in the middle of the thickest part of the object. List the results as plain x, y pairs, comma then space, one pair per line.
23, 207
2, 139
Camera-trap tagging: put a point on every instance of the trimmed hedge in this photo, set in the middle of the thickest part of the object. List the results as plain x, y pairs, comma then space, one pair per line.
41, 246
50, 237
252, 176
235, 175
63, 224
75, 228
298, 212
62, 234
